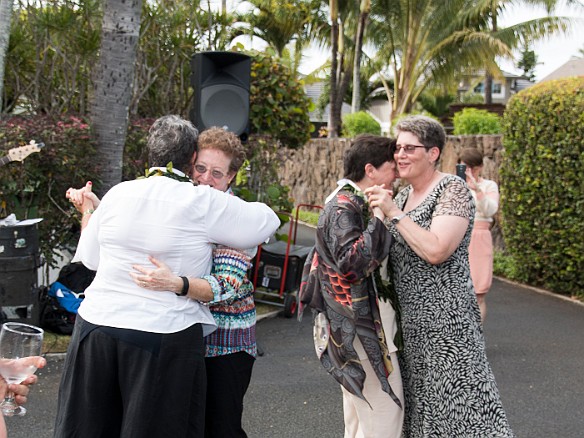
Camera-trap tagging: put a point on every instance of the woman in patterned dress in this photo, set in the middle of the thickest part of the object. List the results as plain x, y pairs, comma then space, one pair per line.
449, 388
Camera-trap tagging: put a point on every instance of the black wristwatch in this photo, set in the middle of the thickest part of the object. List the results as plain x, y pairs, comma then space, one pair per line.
185, 288
396, 219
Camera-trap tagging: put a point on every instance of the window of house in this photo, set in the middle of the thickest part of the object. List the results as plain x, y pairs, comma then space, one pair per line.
496, 88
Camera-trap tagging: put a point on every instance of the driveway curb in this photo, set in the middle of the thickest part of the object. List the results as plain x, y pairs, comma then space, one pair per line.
541, 291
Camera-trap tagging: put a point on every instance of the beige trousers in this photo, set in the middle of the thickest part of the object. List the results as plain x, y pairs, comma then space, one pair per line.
384, 419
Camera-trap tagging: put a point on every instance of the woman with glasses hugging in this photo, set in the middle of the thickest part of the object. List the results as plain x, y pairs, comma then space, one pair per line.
449, 387
230, 351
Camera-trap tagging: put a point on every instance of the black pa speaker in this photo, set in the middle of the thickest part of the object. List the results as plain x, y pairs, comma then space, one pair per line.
221, 84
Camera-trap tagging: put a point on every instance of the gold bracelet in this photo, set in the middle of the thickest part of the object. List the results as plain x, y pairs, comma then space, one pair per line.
90, 211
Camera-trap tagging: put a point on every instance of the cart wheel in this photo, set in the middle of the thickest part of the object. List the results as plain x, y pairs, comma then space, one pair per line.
290, 305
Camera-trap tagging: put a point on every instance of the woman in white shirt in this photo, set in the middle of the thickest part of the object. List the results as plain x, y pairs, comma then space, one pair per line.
486, 195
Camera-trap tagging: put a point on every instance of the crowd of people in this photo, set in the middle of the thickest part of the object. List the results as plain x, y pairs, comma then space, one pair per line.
164, 342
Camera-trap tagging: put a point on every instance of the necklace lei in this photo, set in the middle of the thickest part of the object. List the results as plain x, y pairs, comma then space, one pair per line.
365, 207
168, 173
385, 289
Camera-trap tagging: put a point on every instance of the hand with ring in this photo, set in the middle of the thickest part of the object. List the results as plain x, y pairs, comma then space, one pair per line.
161, 278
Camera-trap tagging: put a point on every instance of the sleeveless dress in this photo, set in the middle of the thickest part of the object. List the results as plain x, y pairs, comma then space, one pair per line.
449, 388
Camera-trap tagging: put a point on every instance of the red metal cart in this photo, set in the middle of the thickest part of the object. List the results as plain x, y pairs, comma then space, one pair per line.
277, 270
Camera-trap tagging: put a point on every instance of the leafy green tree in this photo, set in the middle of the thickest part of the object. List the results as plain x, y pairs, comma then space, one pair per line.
427, 42
280, 23
485, 16
49, 67
279, 106
527, 62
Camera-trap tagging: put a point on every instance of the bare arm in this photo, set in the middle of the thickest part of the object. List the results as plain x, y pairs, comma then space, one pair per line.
84, 200
161, 278
435, 245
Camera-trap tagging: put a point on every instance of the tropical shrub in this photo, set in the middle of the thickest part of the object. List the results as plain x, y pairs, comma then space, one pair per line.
278, 104
360, 123
541, 184
35, 187
473, 121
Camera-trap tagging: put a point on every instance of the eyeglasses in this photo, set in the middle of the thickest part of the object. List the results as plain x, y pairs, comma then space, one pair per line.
408, 148
216, 174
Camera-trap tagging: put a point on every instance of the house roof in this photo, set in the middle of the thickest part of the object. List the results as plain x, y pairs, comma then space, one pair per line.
574, 67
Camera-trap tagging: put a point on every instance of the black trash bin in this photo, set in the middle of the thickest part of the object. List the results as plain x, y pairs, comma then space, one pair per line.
19, 263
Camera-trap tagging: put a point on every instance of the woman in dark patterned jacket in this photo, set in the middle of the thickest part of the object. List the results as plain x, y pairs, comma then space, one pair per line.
449, 387
354, 331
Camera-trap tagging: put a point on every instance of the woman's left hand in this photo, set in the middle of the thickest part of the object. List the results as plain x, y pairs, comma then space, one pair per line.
160, 279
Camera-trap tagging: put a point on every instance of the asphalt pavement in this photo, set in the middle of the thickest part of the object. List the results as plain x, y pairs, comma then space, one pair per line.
534, 344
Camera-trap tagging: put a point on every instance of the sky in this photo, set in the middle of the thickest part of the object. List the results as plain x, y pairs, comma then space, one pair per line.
551, 52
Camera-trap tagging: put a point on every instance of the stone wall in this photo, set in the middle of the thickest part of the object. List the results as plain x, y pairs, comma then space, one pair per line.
312, 172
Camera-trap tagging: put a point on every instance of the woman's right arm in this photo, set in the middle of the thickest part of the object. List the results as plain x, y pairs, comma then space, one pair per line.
436, 244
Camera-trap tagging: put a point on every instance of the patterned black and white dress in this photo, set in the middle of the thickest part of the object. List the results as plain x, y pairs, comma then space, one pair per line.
450, 390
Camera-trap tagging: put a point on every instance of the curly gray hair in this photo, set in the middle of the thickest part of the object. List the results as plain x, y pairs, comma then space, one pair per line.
172, 139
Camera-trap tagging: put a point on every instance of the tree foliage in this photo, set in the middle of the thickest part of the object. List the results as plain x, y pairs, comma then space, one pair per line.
542, 185
278, 104
36, 186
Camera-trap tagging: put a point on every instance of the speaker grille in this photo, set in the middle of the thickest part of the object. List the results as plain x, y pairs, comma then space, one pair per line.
225, 106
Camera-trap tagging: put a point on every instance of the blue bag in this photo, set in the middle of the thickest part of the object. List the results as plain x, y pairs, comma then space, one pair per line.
68, 300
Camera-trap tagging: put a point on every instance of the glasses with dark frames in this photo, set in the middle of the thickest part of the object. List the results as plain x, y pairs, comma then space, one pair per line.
408, 148
216, 174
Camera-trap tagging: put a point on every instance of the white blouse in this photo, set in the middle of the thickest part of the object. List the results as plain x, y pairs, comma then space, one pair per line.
175, 222
488, 205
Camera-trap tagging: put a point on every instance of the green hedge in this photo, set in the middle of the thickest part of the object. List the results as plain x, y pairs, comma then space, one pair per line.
360, 123
542, 185
473, 121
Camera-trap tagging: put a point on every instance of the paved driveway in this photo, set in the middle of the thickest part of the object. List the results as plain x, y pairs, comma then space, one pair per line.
534, 343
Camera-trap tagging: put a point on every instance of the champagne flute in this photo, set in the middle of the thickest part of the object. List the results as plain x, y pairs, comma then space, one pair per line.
20, 346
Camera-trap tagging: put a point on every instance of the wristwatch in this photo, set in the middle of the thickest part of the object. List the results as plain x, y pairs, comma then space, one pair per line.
396, 219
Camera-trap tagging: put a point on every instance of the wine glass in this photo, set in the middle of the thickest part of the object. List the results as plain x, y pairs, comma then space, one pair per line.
20, 346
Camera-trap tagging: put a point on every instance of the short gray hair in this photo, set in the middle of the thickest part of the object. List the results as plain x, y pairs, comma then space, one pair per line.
172, 139
429, 131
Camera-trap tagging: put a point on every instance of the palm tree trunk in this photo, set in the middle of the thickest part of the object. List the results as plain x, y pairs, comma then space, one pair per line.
5, 20
363, 14
333, 127
488, 76
488, 88
114, 78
